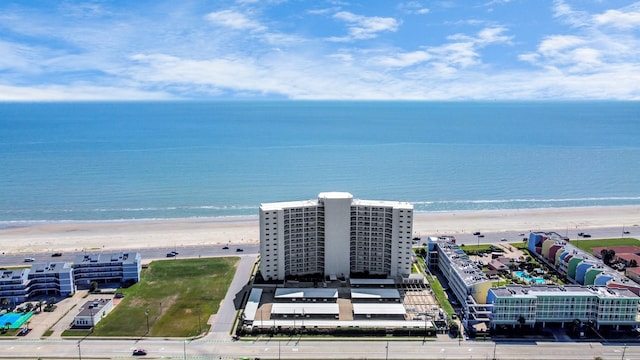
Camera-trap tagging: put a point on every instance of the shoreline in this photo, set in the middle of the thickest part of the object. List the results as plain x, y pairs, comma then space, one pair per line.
69, 235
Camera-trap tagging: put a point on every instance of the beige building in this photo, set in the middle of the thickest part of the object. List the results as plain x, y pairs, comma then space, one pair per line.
335, 235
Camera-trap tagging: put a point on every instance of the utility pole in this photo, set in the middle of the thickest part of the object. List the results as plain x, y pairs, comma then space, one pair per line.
146, 313
199, 326
387, 351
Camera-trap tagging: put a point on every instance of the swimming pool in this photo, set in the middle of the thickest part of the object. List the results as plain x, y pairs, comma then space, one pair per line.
15, 319
531, 280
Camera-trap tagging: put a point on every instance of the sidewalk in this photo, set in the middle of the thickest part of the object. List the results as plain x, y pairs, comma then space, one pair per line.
61, 318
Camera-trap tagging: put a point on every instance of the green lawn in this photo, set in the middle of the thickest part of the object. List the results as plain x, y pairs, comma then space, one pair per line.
472, 249
438, 291
179, 296
587, 245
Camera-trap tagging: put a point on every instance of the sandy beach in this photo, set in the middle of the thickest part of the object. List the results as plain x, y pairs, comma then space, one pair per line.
76, 236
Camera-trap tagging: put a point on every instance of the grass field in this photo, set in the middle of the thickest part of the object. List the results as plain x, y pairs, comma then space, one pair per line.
438, 291
587, 245
178, 295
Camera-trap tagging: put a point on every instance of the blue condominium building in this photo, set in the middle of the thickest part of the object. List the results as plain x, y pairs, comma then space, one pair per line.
529, 305
114, 267
41, 279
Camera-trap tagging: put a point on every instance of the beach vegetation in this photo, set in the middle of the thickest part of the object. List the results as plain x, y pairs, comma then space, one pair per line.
175, 298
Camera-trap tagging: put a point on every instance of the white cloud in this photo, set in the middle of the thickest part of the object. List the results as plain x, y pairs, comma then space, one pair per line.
572, 17
235, 20
556, 43
497, 2
619, 19
78, 92
184, 56
403, 59
363, 27
413, 7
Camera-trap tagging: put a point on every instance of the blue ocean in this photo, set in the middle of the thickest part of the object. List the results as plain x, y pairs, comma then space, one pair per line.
150, 160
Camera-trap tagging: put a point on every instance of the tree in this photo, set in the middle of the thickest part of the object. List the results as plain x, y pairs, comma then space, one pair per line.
453, 327
28, 307
608, 255
93, 286
5, 302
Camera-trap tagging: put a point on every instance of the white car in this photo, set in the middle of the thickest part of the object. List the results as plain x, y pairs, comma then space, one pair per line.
29, 259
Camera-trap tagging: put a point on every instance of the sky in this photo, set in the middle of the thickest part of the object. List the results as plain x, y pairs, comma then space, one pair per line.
319, 50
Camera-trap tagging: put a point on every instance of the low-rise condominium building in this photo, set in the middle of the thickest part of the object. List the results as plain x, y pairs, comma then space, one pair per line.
54, 278
119, 267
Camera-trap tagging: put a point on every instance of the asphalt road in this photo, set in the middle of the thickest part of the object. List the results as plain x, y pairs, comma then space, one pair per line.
146, 253
571, 233
217, 343
195, 251
292, 348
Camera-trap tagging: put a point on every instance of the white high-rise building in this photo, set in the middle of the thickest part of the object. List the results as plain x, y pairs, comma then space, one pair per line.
335, 235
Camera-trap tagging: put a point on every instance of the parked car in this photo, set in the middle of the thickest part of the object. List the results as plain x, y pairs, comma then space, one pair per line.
56, 254
29, 259
139, 352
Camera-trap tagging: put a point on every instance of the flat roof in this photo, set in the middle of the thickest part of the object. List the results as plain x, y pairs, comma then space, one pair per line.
379, 309
364, 293
92, 307
50, 268
305, 308
566, 290
287, 205
384, 203
328, 323
299, 293
372, 281
252, 304
107, 258
335, 195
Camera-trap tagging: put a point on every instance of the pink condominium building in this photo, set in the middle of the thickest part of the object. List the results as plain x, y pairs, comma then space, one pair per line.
336, 235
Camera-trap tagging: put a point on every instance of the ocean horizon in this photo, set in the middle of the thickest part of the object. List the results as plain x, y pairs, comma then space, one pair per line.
98, 161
